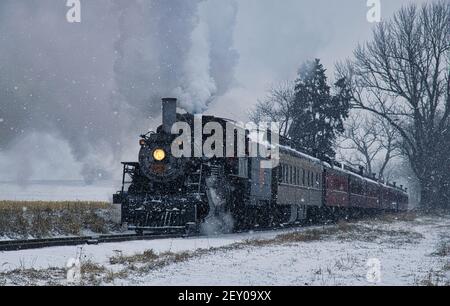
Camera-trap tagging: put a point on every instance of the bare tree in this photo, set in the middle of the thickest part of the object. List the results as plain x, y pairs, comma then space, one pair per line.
403, 76
276, 106
389, 142
370, 142
358, 144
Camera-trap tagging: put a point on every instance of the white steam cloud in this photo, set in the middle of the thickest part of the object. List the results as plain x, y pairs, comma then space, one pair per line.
174, 48
94, 85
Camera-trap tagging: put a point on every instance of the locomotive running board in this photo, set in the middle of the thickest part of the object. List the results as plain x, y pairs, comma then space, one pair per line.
155, 229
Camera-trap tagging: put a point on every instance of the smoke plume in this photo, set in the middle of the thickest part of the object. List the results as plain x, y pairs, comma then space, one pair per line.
94, 85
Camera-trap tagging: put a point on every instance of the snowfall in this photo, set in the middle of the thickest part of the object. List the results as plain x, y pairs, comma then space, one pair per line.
413, 250
72, 190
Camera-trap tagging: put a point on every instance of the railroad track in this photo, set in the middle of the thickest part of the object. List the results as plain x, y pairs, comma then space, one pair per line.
16, 245
28, 244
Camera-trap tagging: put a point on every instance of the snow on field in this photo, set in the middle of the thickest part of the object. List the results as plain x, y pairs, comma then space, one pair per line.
388, 252
58, 191
404, 260
58, 256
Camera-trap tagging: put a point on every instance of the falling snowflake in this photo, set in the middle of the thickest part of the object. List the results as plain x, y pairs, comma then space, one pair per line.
2, 120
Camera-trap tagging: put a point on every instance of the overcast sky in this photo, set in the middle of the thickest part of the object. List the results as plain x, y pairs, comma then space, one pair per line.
75, 97
274, 37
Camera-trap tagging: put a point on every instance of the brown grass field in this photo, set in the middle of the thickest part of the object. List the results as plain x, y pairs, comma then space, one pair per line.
44, 205
38, 219
19, 205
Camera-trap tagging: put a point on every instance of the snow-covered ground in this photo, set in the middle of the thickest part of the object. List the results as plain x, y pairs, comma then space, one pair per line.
385, 252
58, 191
58, 256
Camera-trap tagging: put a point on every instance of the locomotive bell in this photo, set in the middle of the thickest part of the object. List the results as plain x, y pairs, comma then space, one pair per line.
169, 114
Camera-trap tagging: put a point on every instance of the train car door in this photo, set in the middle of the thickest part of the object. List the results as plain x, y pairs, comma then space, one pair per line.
261, 182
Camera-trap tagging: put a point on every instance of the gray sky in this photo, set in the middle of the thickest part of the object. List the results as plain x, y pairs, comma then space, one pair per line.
75, 97
274, 37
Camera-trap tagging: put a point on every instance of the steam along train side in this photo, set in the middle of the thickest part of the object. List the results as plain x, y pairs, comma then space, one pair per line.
165, 193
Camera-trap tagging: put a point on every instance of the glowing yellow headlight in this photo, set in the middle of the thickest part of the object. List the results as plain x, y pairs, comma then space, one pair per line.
159, 154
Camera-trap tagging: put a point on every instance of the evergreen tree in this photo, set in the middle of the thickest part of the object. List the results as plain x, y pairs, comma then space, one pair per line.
318, 115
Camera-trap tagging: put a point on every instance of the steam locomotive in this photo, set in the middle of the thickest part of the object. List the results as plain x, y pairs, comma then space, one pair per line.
165, 193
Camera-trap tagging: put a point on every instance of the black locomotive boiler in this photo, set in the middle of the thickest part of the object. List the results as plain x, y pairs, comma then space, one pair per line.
162, 192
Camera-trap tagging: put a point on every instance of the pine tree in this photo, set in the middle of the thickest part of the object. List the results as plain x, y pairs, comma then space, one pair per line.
318, 115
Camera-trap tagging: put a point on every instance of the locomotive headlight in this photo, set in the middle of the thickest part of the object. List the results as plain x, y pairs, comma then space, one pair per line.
159, 154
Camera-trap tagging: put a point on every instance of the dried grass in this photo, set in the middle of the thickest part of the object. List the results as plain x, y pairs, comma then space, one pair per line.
89, 268
42, 219
447, 266
403, 216
146, 256
342, 231
442, 250
51, 205
433, 279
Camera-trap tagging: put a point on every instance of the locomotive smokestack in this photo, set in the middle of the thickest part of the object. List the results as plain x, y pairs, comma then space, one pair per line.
169, 114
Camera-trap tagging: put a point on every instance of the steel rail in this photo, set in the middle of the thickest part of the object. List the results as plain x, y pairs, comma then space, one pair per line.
17, 245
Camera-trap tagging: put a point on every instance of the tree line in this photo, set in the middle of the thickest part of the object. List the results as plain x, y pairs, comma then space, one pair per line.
391, 100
